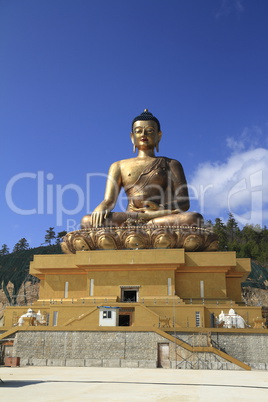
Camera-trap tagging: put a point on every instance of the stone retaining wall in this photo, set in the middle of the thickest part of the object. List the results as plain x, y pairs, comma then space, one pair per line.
108, 349
134, 349
251, 349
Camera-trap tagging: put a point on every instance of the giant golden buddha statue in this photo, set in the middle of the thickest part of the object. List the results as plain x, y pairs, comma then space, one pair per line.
158, 199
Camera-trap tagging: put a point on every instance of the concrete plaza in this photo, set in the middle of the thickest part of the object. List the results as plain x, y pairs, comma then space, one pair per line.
113, 384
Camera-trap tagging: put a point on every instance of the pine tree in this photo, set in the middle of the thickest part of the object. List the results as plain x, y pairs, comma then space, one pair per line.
60, 235
21, 245
232, 229
251, 233
4, 250
51, 235
220, 229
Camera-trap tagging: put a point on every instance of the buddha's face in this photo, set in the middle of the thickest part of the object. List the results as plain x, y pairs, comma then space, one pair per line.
145, 134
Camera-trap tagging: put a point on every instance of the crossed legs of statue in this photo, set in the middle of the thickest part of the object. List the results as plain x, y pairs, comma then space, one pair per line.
118, 219
127, 230
164, 236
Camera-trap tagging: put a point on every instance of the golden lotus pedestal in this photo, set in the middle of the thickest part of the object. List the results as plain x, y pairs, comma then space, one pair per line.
140, 237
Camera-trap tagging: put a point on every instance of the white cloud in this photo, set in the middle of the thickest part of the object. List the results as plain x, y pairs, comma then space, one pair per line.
229, 6
250, 138
234, 144
238, 185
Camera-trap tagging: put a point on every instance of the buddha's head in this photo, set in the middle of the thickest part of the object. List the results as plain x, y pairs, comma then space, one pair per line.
146, 132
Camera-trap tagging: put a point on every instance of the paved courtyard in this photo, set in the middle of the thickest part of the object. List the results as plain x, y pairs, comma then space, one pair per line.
113, 384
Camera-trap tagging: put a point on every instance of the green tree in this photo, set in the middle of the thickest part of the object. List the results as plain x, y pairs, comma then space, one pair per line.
50, 235
220, 229
21, 245
208, 224
14, 268
264, 246
4, 250
232, 229
251, 233
60, 235
263, 257
250, 249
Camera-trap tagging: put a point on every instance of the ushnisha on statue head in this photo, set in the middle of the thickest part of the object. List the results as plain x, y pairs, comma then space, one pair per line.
146, 133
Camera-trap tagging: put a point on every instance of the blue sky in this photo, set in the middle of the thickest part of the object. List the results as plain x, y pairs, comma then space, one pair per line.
74, 73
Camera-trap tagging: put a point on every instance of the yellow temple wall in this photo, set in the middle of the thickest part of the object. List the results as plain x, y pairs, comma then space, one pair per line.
167, 282
233, 287
210, 259
188, 284
54, 286
73, 315
108, 283
220, 272
236, 276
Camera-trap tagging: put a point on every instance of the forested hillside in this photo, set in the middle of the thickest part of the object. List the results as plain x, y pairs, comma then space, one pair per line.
14, 269
14, 266
248, 242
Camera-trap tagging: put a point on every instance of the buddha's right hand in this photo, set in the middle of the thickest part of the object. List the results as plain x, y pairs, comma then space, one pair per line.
98, 216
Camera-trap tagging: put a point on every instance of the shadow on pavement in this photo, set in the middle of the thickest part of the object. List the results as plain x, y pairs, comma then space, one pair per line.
23, 383
18, 383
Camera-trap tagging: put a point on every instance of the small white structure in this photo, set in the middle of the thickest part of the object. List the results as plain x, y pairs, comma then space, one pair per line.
108, 316
231, 320
221, 317
32, 318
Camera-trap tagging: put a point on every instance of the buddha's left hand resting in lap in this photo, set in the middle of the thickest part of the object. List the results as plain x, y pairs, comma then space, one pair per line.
155, 186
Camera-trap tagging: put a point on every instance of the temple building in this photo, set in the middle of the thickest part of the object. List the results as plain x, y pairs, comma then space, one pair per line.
141, 288
164, 304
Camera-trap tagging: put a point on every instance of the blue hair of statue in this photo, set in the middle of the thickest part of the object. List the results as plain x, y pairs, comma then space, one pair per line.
145, 116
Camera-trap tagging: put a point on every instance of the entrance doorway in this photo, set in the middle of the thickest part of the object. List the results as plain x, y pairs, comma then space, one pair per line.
129, 295
124, 320
163, 355
126, 316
